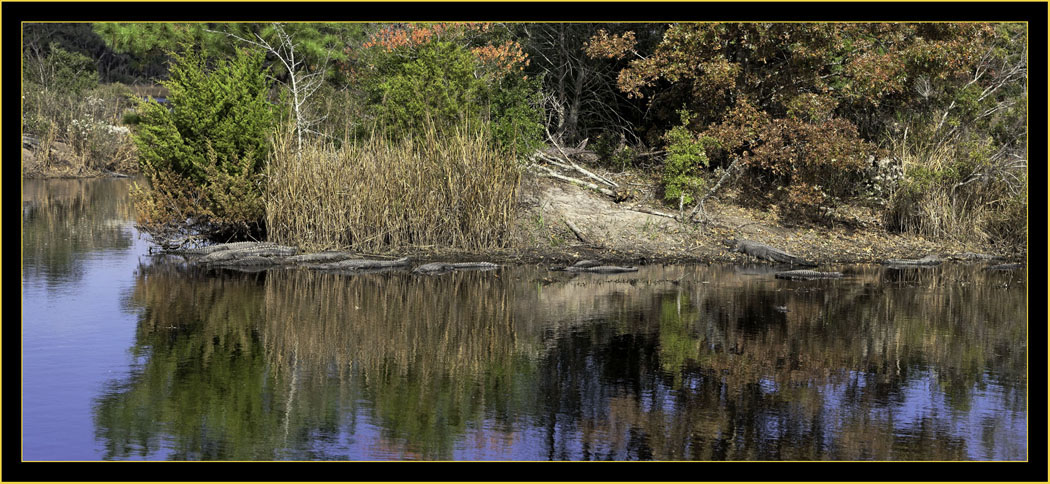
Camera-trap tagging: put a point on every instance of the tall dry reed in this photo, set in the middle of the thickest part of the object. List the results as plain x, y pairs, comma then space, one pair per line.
966, 189
447, 189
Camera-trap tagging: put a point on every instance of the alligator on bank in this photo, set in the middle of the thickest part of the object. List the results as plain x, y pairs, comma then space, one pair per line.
580, 264
362, 264
765, 252
442, 267
602, 269
805, 275
208, 249
972, 256
319, 257
930, 260
256, 251
247, 261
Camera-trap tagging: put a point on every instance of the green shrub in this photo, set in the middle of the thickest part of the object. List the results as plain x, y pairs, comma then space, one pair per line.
213, 136
685, 161
446, 82
60, 70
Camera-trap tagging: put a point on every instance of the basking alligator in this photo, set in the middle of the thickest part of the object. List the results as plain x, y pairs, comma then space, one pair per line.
257, 251
247, 261
807, 275
930, 260
971, 256
763, 251
441, 267
208, 249
602, 269
362, 264
581, 264
319, 257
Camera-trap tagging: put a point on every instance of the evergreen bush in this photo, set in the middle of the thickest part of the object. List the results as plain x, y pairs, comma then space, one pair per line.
214, 137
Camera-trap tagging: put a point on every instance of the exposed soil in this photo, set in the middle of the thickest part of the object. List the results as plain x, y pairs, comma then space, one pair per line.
614, 232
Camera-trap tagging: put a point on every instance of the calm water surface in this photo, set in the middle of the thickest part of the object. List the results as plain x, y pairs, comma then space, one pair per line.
128, 356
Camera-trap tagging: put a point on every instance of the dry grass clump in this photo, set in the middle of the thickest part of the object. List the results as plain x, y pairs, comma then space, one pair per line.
962, 193
448, 189
76, 135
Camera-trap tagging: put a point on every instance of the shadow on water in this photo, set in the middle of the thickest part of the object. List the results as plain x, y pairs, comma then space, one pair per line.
676, 362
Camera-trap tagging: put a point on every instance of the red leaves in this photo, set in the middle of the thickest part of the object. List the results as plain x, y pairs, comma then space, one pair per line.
501, 59
397, 36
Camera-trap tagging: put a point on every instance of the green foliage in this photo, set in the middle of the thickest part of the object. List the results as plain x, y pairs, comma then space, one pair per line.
61, 71
222, 109
613, 151
438, 81
149, 43
685, 161
215, 134
516, 120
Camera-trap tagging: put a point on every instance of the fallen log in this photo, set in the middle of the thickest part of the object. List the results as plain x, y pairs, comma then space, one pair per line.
575, 230
567, 158
605, 191
805, 274
652, 212
765, 252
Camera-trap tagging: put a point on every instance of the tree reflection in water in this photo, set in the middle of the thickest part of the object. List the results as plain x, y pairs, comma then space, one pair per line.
677, 362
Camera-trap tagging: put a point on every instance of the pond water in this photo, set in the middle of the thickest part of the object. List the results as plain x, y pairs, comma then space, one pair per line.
127, 356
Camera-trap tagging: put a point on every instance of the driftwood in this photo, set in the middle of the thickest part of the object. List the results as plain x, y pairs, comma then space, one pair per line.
566, 157
561, 157
763, 251
652, 212
605, 191
575, 230
930, 260
710, 193
803, 274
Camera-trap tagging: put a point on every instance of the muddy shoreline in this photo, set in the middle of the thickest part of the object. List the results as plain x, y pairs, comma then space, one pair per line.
552, 216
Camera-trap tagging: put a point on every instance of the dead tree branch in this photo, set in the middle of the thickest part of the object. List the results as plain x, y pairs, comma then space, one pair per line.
710, 193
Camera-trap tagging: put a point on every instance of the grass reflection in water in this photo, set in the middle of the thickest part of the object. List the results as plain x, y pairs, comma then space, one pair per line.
519, 364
